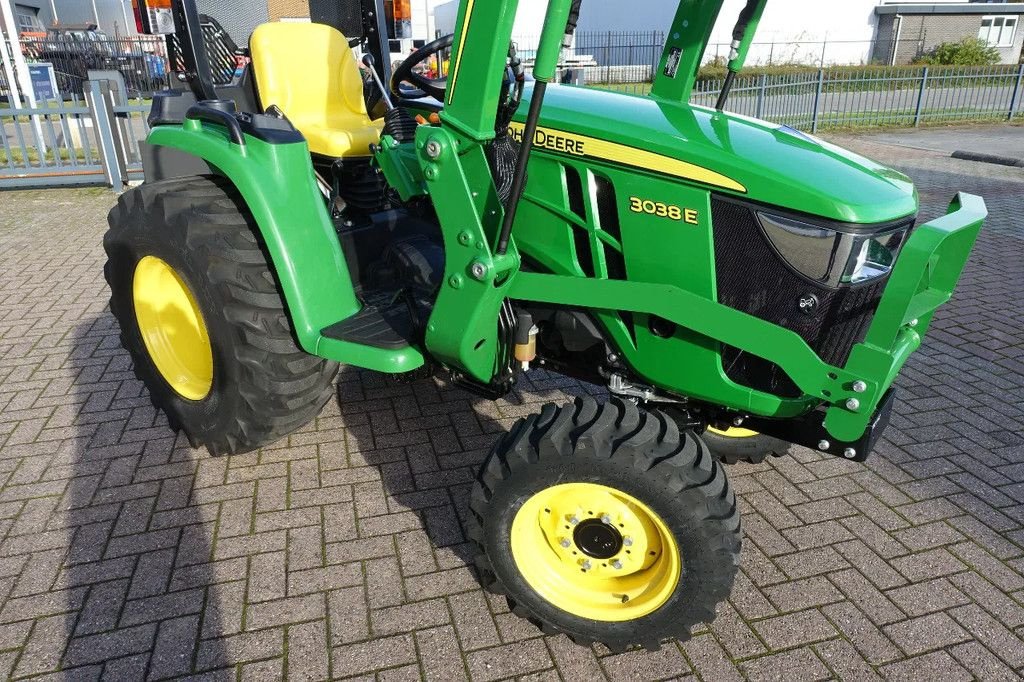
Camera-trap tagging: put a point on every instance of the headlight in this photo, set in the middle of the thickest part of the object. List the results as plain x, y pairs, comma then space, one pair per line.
832, 256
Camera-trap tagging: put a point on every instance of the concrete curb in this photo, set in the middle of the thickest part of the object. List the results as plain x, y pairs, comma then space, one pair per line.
988, 158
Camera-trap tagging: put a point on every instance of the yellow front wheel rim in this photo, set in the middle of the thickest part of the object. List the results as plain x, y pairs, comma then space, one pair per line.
595, 552
172, 328
734, 432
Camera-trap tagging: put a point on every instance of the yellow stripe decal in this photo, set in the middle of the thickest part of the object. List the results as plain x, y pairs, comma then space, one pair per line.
463, 34
580, 145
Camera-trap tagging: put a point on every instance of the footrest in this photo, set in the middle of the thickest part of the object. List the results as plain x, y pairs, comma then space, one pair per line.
387, 326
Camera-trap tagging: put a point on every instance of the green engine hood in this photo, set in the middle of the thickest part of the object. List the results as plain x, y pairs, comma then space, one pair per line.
775, 164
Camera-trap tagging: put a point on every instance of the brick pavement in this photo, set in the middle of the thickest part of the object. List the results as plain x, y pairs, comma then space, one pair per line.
341, 551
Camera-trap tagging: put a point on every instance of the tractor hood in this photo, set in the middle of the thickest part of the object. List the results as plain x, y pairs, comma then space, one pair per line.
742, 156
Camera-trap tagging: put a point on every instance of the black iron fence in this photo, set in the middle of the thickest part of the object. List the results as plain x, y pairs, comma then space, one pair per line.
633, 55
142, 61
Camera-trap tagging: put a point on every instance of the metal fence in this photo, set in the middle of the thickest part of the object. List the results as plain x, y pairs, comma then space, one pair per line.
818, 99
141, 60
95, 139
92, 139
637, 52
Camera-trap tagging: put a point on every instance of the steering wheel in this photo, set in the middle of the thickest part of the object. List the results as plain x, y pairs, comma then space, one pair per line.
423, 86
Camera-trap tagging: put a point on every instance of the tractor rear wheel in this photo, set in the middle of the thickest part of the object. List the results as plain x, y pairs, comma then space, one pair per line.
203, 319
606, 523
735, 445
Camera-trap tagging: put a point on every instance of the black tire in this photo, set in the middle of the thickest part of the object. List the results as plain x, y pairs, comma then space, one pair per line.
637, 452
264, 386
754, 449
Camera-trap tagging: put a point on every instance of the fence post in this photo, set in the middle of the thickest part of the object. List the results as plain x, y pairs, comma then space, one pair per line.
817, 100
101, 108
920, 96
761, 93
608, 58
1016, 92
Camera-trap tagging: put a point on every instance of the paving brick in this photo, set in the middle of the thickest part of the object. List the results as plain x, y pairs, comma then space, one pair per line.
925, 633
937, 665
386, 652
473, 621
982, 663
800, 664
308, 651
708, 660
843, 659
794, 629
862, 633
927, 597
990, 632
508, 660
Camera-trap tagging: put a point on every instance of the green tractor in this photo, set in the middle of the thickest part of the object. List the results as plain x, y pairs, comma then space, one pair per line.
713, 271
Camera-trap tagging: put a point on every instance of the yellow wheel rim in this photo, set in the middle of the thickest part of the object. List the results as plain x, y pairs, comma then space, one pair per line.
172, 328
734, 432
595, 552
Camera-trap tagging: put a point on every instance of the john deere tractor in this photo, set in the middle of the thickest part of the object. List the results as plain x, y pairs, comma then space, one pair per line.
712, 271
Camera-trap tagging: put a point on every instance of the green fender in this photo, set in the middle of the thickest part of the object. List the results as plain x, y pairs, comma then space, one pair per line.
279, 188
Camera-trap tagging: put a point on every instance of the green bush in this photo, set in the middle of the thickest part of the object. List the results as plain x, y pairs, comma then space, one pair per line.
966, 52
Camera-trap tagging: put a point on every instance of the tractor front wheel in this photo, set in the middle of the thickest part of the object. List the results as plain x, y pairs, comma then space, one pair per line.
735, 445
606, 523
203, 318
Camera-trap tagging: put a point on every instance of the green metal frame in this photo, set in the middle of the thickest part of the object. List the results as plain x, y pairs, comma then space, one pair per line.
671, 151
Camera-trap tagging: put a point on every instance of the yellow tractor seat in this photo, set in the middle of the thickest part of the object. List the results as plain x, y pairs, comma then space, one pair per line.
310, 73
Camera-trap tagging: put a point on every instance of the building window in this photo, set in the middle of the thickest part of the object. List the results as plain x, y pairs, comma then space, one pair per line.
27, 20
998, 31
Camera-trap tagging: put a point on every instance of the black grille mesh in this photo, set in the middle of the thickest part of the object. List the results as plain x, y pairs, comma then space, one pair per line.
752, 277
344, 15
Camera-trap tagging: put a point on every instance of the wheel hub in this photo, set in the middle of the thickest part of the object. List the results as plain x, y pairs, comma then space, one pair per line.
595, 551
597, 539
172, 328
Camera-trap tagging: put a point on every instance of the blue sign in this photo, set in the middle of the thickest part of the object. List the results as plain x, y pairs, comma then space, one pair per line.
44, 82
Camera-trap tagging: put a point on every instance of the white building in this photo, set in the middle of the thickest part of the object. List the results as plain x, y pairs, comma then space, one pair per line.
791, 30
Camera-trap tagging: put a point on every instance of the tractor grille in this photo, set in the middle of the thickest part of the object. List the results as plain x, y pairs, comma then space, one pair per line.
753, 278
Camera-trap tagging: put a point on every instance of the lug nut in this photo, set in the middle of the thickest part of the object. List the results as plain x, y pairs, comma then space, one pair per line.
585, 565
824, 445
859, 386
853, 404
573, 520
737, 421
564, 542
616, 564
849, 453
627, 541
605, 519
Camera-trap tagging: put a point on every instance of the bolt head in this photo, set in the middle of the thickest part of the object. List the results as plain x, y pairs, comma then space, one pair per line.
605, 519
824, 445
849, 453
616, 564
627, 541
564, 542
586, 565
853, 404
913, 323
433, 149
478, 270
737, 421
573, 520
859, 386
